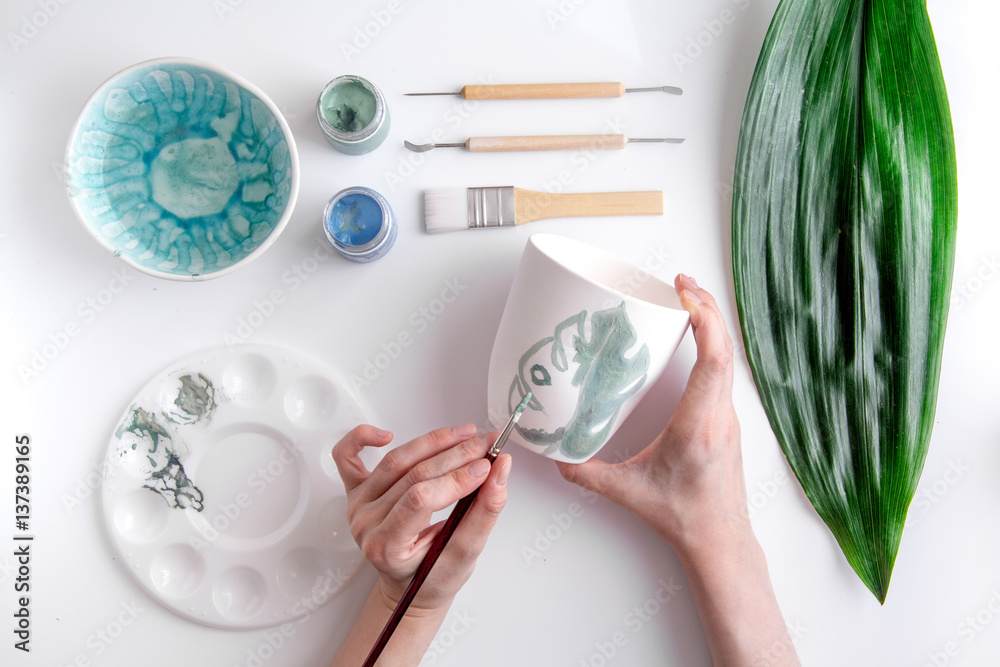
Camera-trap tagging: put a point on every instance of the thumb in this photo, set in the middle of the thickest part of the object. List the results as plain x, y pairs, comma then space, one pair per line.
712, 375
607, 479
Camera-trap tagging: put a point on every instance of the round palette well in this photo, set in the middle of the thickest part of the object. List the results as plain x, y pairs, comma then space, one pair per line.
221, 494
182, 169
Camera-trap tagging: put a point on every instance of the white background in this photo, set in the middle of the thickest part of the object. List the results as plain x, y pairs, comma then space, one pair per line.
554, 609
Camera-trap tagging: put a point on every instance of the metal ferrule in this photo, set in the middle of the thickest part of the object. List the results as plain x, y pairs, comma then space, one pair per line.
501, 441
491, 207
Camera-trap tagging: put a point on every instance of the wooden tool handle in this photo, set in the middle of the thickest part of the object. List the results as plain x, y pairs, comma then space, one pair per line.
530, 205
547, 143
542, 91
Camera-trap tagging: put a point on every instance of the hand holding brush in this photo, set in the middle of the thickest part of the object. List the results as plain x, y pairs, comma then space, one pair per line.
390, 511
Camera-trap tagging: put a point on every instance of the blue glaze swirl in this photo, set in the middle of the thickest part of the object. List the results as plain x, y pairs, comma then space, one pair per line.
179, 169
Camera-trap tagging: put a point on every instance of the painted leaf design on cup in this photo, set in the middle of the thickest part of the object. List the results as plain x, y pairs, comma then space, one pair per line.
599, 372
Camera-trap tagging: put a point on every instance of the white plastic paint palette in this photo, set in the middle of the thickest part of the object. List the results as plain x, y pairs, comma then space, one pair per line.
221, 495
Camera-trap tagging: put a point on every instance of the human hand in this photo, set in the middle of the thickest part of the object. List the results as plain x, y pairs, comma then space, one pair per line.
688, 486
688, 483
390, 508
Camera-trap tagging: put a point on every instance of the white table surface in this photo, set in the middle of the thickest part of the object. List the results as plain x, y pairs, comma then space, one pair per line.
561, 606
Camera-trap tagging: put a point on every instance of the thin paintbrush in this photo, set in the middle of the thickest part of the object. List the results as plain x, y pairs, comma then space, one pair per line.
439, 543
474, 208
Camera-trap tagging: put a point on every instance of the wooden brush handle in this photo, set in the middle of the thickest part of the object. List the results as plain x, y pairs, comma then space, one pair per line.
565, 142
530, 205
542, 91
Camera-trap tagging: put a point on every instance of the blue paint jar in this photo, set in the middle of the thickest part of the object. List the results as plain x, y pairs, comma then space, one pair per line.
359, 224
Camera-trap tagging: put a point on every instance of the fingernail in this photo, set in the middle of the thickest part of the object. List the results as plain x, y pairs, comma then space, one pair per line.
382, 433
504, 472
479, 468
691, 295
464, 431
686, 279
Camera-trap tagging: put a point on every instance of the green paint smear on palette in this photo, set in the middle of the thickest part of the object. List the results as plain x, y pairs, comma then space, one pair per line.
153, 443
165, 472
195, 400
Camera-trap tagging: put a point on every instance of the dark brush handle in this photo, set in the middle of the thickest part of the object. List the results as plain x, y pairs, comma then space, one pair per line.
437, 546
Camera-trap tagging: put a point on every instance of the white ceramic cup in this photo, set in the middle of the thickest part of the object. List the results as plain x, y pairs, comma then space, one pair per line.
587, 333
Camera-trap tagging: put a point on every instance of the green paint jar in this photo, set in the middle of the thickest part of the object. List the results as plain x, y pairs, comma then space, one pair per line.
353, 114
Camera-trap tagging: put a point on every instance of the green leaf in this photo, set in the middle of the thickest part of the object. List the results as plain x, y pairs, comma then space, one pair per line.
606, 377
844, 211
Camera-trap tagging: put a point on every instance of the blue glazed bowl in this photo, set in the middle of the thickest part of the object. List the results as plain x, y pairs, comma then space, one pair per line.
181, 169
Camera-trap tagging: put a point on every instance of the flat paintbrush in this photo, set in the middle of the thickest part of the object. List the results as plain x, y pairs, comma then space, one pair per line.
474, 208
439, 543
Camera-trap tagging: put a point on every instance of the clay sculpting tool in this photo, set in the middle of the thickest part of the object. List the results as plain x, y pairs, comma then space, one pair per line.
451, 209
565, 142
439, 543
550, 91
